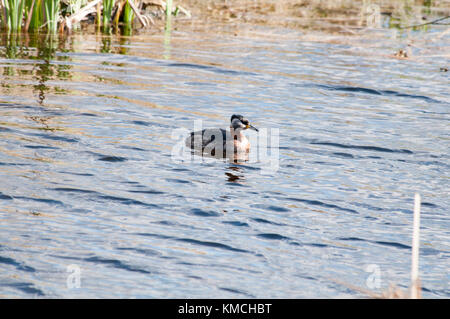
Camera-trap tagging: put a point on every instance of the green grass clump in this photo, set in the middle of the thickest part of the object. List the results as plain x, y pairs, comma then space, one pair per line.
128, 15
34, 14
52, 9
37, 14
108, 6
13, 14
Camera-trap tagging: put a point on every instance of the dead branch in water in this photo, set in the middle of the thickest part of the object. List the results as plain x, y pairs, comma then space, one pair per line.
423, 24
80, 15
138, 14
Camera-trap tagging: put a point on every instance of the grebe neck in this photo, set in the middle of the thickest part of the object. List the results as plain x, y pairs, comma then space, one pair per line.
237, 134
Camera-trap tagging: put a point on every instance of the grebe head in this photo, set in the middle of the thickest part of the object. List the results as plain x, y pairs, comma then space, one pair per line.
240, 122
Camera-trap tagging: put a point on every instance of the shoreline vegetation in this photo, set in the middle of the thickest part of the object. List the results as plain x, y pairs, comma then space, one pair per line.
65, 16
53, 16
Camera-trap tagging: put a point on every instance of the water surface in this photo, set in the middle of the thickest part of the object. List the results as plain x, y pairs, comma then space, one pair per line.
87, 176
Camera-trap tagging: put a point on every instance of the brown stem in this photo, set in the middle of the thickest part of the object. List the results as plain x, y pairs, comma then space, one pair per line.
420, 25
136, 11
30, 13
120, 7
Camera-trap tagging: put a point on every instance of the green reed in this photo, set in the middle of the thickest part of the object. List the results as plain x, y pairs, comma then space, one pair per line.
52, 9
169, 9
108, 6
34, 14
13, 14
128, 15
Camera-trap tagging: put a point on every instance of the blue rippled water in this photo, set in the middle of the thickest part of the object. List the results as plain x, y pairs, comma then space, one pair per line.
88, 177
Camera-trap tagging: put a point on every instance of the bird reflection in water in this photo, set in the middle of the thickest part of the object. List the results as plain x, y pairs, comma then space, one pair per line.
235, 177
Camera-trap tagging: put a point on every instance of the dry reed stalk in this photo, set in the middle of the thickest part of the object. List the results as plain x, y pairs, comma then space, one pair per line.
415, 285
78, 16
186, 12
120, 6
138, 14
99, 14
30, 13
163, 5
393, 292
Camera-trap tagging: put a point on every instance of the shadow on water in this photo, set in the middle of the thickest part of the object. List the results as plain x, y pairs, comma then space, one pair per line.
236, 174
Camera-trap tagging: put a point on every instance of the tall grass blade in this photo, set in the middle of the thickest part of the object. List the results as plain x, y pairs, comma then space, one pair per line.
128, 15
120, 6
108, 6
51, 9
169, 9
415, 285
14, 14
37, 16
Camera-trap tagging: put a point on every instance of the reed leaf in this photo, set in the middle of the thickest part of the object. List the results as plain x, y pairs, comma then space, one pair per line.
108, 6
35, 17
14, 14
128, 15
169, 9
51, 9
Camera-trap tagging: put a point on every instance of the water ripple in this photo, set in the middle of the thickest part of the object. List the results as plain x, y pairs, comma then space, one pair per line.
87, 135
376, 92
211, 244
18, 265
364, 147
117, 264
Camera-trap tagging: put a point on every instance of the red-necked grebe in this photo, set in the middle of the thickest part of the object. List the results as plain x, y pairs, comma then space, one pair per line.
218, 142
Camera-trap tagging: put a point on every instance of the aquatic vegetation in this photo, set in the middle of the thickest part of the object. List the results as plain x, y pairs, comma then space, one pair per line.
118, 12
52, 13
49, 15
34, 14
128, 14
38, 14
13, 14
168, 8
108, 6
